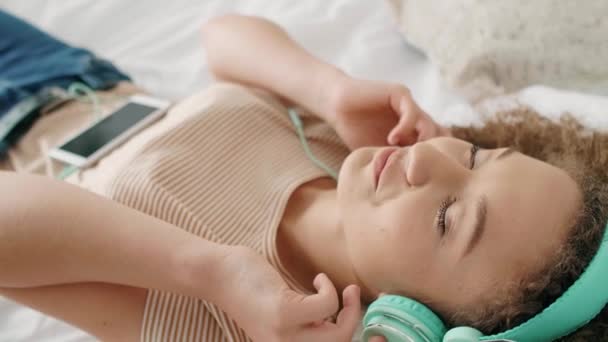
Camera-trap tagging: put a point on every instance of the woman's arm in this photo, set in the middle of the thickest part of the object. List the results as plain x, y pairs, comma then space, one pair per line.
256, 52
55, 233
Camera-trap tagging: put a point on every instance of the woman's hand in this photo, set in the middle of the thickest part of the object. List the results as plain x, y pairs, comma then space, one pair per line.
375, 113
364, 113
257, 298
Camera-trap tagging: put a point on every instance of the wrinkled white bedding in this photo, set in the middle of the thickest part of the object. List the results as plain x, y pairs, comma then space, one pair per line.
157, 42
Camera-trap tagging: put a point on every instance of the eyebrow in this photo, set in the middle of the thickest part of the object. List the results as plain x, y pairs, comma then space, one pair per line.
505, 153
481, 212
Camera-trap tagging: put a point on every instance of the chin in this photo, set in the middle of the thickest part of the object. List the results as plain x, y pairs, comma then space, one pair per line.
357, 160
351, 167
352, 182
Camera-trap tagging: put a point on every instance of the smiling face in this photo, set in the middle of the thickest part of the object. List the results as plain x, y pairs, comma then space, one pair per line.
446, 224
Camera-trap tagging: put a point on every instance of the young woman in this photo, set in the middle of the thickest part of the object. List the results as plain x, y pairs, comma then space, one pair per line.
237, 235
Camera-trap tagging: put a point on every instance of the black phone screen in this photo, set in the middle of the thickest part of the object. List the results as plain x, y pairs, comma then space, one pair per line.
91, 140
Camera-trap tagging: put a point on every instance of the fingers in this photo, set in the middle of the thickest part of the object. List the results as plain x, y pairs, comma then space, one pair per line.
397, 96
405, 131
350, 316
346, 323
318, 306
415, 126
426, 128
377, 339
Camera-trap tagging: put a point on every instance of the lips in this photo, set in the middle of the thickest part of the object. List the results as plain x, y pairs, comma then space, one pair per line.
380, 161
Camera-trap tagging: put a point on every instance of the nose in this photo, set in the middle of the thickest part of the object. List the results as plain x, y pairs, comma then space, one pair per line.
425, 163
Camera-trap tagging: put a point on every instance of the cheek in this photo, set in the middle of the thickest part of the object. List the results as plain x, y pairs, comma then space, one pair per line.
372, 251
388, 245
354, 185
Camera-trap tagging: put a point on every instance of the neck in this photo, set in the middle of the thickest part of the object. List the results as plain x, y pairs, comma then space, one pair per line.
311, 237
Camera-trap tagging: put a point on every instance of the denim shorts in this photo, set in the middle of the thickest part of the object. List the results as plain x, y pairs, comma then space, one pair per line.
31, 59
32, 62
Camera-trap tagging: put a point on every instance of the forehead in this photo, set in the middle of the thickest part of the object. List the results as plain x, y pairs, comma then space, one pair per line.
529, 207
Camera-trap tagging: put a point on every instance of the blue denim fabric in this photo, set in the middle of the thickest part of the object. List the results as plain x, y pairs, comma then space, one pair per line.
31, 60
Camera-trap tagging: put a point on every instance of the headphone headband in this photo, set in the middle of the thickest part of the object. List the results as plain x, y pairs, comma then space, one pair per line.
581, 302
576, 307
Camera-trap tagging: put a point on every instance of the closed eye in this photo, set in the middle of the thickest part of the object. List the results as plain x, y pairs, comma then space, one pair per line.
443, 208
474, 150
445, 205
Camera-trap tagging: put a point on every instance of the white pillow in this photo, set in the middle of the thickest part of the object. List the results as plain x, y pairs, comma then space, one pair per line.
487, 47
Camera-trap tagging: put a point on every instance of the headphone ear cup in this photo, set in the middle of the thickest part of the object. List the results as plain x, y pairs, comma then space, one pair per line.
394, 316
462, 334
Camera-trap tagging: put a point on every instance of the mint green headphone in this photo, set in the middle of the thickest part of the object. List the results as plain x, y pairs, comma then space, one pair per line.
401, 319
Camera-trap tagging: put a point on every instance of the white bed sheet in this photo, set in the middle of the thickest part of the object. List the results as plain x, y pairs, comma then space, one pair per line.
157, 42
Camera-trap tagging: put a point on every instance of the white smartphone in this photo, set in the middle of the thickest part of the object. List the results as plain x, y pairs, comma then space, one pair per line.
89, 145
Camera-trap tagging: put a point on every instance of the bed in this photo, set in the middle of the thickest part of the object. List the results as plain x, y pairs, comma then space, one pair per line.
157, 42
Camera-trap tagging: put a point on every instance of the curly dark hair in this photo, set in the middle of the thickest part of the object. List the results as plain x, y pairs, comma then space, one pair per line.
583, 154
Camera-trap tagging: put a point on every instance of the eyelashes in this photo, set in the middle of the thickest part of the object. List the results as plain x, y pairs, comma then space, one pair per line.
474, 150
443, 207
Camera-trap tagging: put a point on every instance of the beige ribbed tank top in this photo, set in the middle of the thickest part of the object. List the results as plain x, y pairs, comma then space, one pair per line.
222, 164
